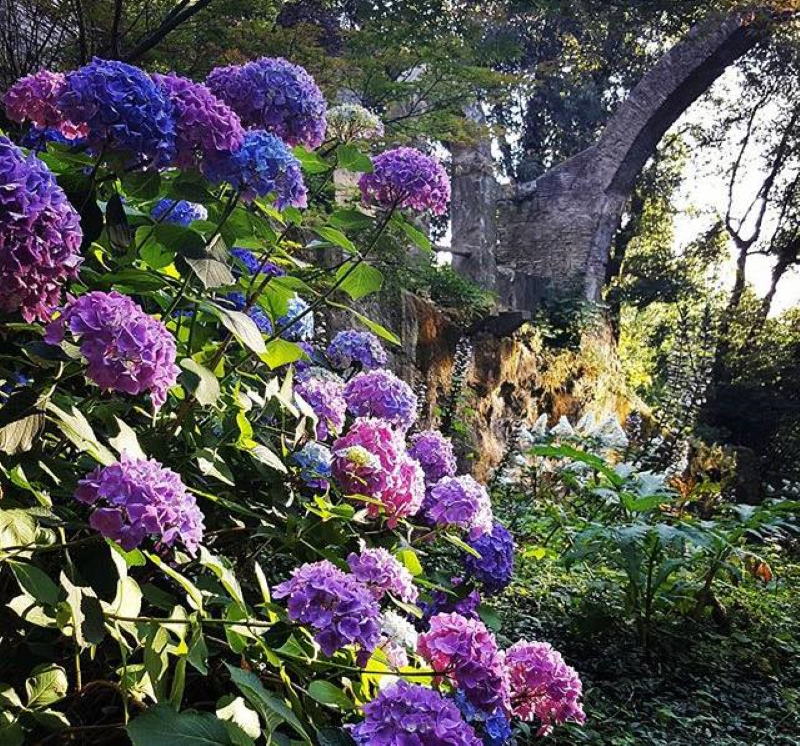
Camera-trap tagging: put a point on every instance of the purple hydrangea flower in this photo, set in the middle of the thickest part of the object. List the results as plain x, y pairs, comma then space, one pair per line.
136, 498
302, 328
404, 177
255, 312
314, 460
542, 685
178, 212
261, 166
127, 115
203, 123
380, 393
275, 95
459, 501
406, 714
496, 565
34, 98
382, 573
466, 653
446, 603
126, 349
370, 460
40, 236
435, 455
351, 347
339, 608
325, 397
253, 264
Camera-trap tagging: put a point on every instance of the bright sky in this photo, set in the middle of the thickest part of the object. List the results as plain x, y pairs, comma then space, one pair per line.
704, 195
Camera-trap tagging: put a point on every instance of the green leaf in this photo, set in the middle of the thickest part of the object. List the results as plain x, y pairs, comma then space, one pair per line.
17, 528
272, 710
269, 458
162, 726
35, 582
201, 381
20, 435
193, 593
211, 272
409, 558
309, 161
337, 238
189, 185
77, 428
416, 236
280, 352
88, 623
373, 326
334, 737
47, 684
141, 184
125, 441
351, 158
457, 541
237, 712
330, 694
243, 328
358, 280
349, 219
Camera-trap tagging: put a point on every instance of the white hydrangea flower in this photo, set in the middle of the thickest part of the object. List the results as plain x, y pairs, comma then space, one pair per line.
398, 636
585, 425
353, 122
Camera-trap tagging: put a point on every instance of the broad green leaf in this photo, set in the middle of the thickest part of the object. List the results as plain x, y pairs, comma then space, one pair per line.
349, 219
17, 528
243, 328
409, 558
416, 236
359, 280
457, 541
77, 428
141, 184
201, 381
47, 684
192, 591
269, 458
35, 582
162, 726
279, 352
272, 710
20, 435
125, 441
329, 694
337, 238
310, 161
236, 711
351, 158
221, 567
334, 737
211, 464
88, 623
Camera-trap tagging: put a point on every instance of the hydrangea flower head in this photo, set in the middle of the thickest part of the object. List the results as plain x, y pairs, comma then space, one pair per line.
494, 727
301, 329
434, 453
262, 165
365, 458
40, 236
398, 636
326, 398
275, 95
203, 123
405, 177
542, 685
37, 139
459, 501
34, 98
253, 264
178, 212
347, 122
466, 653
496, 565
339, 608
255, 312
406, 714
446, 603
127, 115
351, 347
404, 492
126, 349
382, 573
380, 393
137, 498
314, 460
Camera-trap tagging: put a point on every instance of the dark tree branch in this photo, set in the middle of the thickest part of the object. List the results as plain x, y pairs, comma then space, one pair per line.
181, 13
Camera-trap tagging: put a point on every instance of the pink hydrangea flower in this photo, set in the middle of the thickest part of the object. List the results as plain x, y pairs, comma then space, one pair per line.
34, 98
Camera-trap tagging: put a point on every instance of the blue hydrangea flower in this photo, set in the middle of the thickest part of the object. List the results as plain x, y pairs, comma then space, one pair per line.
314, 460
178, 212
259, 316
351, 347
493, 727
302, 329
128, 116
37, 139
380, 393
262, 165
496, 565
253, 264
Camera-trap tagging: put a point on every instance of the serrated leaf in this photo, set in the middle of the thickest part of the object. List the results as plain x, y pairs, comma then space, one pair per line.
359, 280
162, 726
20, 435
77, 428
337, 238
125, 441
201, 381
309, 161
47, 684
269, 458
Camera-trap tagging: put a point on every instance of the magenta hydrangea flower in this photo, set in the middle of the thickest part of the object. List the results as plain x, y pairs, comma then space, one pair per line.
40, 236
496, 564
380, 393
203, 123
137, 498
406, 714
434, 453
275, 95
351, 347
126, 349
542, 685
262, 165
340, 609
459, 501
370, 460
466, 654
326, 397
404, 177
382, 573
127, 115
34, 98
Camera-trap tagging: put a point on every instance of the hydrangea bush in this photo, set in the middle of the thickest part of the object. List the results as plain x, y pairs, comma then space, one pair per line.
216, 516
